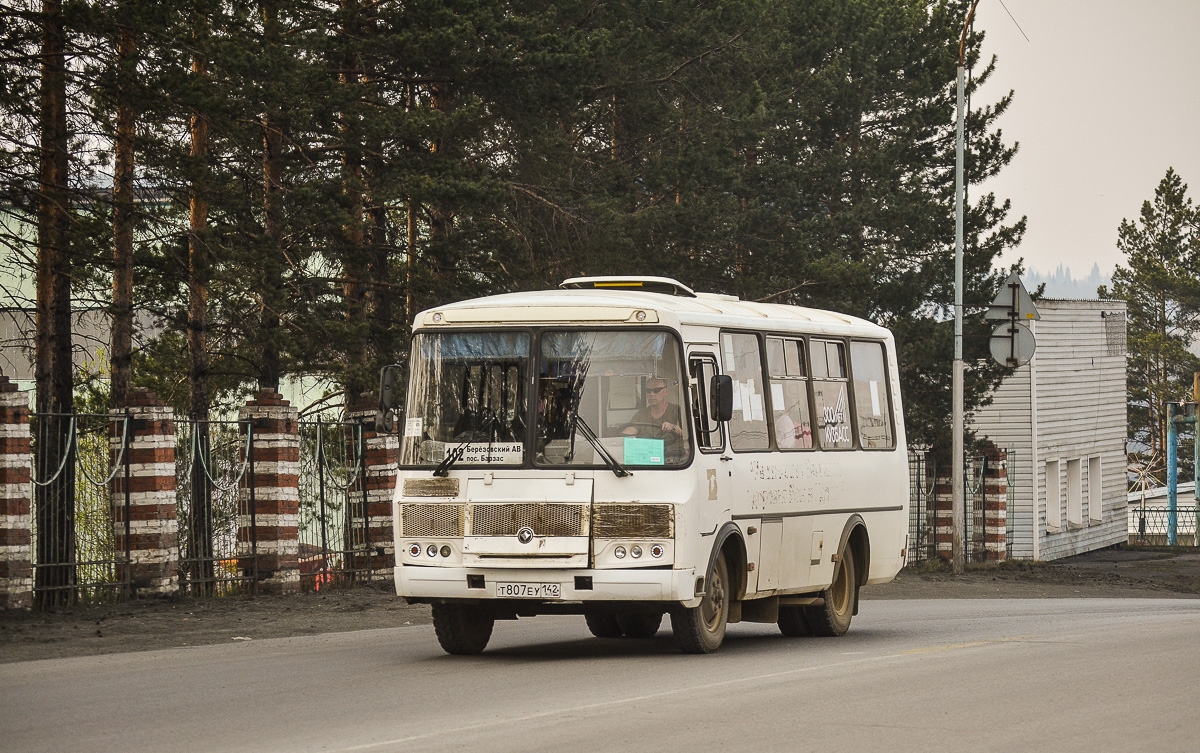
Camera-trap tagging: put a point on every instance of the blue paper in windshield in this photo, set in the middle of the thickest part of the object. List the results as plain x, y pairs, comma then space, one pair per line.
642, 451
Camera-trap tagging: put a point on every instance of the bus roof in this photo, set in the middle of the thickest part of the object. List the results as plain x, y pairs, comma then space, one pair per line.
636, 300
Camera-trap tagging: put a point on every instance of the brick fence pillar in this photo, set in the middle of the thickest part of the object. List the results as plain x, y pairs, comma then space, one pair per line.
269, 503
16, 521
943, 517
372, 539
146, 521
995, 505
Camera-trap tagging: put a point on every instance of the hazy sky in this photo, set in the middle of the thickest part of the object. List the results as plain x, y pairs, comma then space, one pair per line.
1107, 98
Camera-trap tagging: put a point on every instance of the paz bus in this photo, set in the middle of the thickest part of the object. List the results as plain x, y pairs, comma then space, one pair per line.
624, 449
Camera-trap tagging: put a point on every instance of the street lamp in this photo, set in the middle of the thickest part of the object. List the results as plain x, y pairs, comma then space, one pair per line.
958, 486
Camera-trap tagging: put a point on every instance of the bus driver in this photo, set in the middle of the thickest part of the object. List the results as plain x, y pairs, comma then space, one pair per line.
659, 419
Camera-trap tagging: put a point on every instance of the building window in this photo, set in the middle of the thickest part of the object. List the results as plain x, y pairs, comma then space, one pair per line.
1095, 490
1075, 492
1053, 497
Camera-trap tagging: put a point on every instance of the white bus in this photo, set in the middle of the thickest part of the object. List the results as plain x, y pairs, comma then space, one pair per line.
625, 448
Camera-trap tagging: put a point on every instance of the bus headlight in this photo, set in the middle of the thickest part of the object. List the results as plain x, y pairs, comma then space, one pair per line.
635, 552
414, 550
656, 551
619, 552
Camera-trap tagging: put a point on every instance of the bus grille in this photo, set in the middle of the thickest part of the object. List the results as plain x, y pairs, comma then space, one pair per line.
633, 521
432, 520
544, 519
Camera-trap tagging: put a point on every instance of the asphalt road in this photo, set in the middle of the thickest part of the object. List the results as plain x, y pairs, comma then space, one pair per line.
978, 675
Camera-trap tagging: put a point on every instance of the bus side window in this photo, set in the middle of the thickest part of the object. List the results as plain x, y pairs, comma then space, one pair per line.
709, 434
743, 363
789, 393
874, 405
831, 403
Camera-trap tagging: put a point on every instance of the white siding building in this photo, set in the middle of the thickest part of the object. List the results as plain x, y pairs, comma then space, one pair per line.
1062, 419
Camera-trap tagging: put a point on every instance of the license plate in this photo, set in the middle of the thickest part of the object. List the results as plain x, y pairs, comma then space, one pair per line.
529, 590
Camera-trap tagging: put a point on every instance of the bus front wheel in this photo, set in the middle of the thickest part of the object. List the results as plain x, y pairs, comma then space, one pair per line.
700, 630
603, 625
639, 625
462, 628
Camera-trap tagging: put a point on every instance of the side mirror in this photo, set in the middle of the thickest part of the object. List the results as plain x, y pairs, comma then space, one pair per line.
389, 376
720, 390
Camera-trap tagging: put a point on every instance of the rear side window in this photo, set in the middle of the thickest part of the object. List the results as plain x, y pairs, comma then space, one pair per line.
792, 419
831, 400
743, 363
871, 397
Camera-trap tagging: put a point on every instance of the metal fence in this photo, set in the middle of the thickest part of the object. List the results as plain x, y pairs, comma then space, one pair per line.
213, 462
925, 476
80, 467
334, 535
75, 458
218, 509
1150, 526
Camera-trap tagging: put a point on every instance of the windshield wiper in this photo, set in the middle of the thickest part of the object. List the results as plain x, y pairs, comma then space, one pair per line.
455, 453
581, 426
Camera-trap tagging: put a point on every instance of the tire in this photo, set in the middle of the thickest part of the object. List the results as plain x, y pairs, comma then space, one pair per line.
462, 629
639, 624
832, 618
700, 630
793, 622
603, 625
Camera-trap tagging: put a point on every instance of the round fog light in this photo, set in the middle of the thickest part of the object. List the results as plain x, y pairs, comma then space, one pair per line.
414, 550
431, 550
635, 552
656, 550
619, 552
445, 551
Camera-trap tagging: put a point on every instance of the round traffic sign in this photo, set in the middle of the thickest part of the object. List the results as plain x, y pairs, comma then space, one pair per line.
1012, 344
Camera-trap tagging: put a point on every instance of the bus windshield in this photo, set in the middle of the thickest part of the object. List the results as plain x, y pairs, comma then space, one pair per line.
601, 396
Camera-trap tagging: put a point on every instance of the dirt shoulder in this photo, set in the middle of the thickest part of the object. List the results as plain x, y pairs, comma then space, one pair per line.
147, 624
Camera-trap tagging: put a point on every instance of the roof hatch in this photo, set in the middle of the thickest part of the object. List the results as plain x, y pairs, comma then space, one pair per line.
646, 284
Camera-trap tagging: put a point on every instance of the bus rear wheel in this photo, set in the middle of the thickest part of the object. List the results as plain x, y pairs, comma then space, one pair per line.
793, 622
832, 618
701, 630
462, 629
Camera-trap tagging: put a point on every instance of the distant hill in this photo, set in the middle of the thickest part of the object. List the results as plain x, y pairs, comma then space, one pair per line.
1060, 283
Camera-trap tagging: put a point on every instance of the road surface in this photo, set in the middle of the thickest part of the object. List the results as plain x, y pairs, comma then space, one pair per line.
980, 675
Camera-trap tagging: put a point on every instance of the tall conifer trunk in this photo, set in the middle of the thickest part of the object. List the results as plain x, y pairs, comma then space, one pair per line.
354, 271
269, 372
121, 348
55, 501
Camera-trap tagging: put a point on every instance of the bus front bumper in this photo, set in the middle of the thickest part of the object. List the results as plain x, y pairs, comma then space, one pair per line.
646, 584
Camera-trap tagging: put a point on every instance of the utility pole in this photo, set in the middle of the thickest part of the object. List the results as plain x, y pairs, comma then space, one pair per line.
957, 465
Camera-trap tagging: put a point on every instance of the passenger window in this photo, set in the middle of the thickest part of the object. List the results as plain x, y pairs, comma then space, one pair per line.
872, 401
743, 363
830, 399
789, 394
709, 434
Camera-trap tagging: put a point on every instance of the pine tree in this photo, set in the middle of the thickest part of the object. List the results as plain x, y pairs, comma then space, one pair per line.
1162, 287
